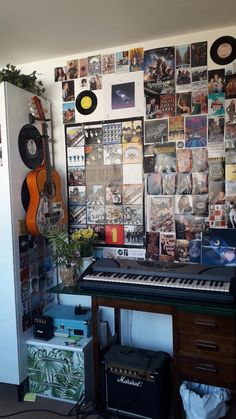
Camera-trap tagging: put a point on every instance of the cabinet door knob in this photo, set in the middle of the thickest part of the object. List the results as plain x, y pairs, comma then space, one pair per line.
204, 345
206, 367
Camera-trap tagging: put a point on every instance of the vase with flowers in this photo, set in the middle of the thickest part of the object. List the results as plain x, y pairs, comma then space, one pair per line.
85, 237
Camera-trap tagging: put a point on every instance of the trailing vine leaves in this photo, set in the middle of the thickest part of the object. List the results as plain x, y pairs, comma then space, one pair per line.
29, 82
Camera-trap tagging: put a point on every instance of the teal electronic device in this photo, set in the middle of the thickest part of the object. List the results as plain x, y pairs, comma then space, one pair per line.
67, 323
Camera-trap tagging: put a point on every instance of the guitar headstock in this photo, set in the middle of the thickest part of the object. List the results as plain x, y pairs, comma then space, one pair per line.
37, 109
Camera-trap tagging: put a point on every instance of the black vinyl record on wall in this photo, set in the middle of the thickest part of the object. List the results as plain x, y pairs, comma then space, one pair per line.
30, 146
223, 50
86, 102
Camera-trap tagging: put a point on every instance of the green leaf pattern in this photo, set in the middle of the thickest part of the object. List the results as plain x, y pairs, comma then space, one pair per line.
56, 372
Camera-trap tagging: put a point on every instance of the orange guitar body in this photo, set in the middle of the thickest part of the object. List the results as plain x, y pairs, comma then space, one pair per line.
45, 210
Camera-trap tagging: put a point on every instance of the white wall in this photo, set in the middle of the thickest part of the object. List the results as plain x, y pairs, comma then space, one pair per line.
158, 329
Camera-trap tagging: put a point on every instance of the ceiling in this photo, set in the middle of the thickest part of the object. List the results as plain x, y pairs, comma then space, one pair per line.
34, 30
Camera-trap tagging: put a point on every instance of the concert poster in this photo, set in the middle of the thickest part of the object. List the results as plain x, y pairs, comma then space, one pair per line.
200, 183
231, 216
68, 112
182, 55
230, 86
136, 57
184, 160
95, 195
133, 235
77, 215
199, 78
195, 251
93, 134
200, 205
230, 111
230, 136
83, 67
216, 126
114, 195
159, 71
216, 81
216, 168
165, 155
216, 104
122, 61
113, 154
73, 69
183, 204
74, 136
183, 226
217, 216
132, 194
160, 213
156, 131
196, 131
184, 184
94, 65
216, 192
76, 176
77, 195
153, 106
183, 71
154, 183
167, 245
75, 156
199, 54
199, 102
133, 214
167, 105
152, 245
132, 153
183, 103
200, 159
168, 183
95, 214
181, 251
176, 128
94, 155
108, 63
111, 133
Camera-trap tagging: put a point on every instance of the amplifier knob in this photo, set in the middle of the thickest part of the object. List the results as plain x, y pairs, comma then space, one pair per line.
125, 371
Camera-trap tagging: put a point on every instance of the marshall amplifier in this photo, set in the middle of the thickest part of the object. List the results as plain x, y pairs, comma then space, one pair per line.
137, 382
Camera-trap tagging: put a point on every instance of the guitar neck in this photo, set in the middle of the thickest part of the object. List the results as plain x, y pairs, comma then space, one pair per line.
47, 160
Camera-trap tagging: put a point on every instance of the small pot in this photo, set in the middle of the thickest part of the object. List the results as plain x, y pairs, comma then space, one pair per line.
68, 276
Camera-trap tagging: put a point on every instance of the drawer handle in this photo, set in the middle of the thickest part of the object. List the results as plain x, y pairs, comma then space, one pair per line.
44, 358
202, 345
206, 367
203, 323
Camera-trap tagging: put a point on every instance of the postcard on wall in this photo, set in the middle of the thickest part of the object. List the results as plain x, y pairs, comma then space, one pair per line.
68, 112
230, 111
168, 183
96, 195
77, 195
159, 71
76, 176
183, 72
167, 245
176, 128
132, 131
230, 86
181, 250
196, 131
136, 57
75, 156
199, 78
93, 134
132, 153
216, 127
199, 54
184, 184
114, 195
123, 95
108, 63
133, 194
111, 133
154, 183
94, 65
183, 103
216, 81
160, 213
165, 155
152, 245
122, 61
113, 154
216, 104
73, 67
156, 131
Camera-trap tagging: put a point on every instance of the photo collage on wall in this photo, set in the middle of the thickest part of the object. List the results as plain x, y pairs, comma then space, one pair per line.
105, 180
189, 158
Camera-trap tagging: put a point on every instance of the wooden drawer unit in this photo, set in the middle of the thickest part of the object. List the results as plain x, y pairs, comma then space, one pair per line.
206, 348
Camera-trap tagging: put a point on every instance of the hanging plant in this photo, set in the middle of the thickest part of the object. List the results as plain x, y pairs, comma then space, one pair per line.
28, 82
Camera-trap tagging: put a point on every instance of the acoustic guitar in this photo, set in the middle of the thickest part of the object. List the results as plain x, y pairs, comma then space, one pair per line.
46, 208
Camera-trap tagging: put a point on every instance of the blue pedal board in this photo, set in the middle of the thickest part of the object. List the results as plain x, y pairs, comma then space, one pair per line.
66, 323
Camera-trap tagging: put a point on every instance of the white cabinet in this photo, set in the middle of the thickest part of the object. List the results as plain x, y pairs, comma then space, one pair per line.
60, 371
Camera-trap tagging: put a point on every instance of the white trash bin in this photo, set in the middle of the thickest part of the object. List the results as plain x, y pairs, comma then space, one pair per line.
202, 401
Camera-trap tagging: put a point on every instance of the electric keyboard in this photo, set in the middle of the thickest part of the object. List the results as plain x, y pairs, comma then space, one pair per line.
173, 280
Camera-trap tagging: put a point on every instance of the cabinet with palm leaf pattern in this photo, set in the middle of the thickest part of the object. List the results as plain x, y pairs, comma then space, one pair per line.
60, 371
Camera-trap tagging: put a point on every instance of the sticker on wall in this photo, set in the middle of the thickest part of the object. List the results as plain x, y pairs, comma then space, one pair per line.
223, 50
86, 102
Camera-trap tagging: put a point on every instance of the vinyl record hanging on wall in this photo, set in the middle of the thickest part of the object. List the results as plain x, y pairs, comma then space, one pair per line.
223, 50
86, 102
30, 146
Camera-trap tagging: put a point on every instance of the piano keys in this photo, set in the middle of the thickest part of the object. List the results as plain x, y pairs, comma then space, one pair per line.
200, 282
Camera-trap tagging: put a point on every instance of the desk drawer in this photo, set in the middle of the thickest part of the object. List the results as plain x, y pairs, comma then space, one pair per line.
206, 324
207, 371
203, 346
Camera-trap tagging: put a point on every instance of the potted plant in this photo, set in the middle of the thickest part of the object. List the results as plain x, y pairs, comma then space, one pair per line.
29, 82
65, 254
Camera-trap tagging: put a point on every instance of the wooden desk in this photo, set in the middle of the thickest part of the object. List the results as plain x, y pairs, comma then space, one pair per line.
204, 337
